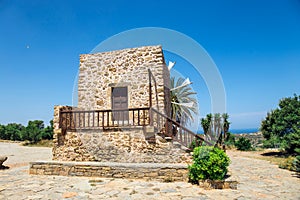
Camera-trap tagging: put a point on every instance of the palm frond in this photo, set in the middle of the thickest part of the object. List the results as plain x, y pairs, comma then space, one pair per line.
179, 97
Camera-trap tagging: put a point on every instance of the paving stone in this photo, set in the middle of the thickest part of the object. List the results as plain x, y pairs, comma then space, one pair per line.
258, 179
169, 190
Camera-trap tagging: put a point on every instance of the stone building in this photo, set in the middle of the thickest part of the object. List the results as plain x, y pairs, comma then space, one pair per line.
122, 113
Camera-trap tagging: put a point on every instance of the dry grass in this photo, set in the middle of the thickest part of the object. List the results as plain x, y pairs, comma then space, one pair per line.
42, 143
277, 159
10, 141
273, 156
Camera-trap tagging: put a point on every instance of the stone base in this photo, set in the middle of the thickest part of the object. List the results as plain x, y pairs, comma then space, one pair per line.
149, 171
129, 145
218, 184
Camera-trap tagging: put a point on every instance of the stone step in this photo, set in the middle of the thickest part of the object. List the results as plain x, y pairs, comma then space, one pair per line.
149, 171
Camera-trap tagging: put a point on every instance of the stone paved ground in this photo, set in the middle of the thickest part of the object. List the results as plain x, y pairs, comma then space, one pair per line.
258, 179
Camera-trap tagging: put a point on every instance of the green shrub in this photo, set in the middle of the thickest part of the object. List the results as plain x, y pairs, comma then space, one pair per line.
281, 126
297, 164
230, 139
195, 143
288, 164
272, 142
243, 144
208, 163
291, 142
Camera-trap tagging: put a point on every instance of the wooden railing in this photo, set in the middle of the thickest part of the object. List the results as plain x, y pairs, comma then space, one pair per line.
93, 119
175, 130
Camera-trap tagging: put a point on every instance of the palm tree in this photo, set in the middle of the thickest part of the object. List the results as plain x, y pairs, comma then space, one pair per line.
183, 104
206, 125
226, 124
215, 127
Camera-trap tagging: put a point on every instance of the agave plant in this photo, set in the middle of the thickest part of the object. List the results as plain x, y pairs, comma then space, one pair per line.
183, 102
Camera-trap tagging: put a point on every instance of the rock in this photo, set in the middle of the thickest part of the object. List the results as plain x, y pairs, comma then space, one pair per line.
218, 184
2, 159
69, 195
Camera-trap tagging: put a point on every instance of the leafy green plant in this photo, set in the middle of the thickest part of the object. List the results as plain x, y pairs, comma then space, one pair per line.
243, 144
291, 142
33, 132
181, 96
230, 139
272, 142
280, 124
195, 143
208, 163
296, 164
215, 127
288, 164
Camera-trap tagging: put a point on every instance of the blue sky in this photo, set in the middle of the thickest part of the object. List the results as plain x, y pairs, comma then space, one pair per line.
254, 43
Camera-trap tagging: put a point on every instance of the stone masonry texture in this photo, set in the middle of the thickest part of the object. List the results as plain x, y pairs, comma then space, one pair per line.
100, 72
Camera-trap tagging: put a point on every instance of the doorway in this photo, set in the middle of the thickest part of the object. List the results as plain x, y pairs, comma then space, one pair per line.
119, 101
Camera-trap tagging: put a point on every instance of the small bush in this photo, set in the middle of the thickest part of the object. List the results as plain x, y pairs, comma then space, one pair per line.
296, 164
288, 164
229, 140
195, 143
243, 144
208, 163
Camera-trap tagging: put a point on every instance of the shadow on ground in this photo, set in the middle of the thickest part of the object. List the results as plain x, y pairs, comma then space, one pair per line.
2, 167
275, 153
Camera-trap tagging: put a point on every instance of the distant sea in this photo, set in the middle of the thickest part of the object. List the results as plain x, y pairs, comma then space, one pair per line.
247, 130
238, 131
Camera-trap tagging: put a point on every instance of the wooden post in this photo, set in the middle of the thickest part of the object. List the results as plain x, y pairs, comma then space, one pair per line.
150, 99
150, 89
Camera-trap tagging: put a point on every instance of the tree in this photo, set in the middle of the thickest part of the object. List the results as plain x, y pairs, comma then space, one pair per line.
206, 124
183, 102
34, 130
47, 133
13, 131
226, 124
291, 142
215, 126
3, 135
297, 162
280, 126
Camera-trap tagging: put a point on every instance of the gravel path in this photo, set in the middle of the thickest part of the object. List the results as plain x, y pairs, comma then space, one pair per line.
258, 179
21, 155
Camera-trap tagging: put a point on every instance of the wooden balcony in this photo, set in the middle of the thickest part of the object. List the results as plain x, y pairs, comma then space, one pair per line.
95, 119
75, 120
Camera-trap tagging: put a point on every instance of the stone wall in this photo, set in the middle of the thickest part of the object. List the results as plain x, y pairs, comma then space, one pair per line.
67, 146
100, 72
126, 145
147, 171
